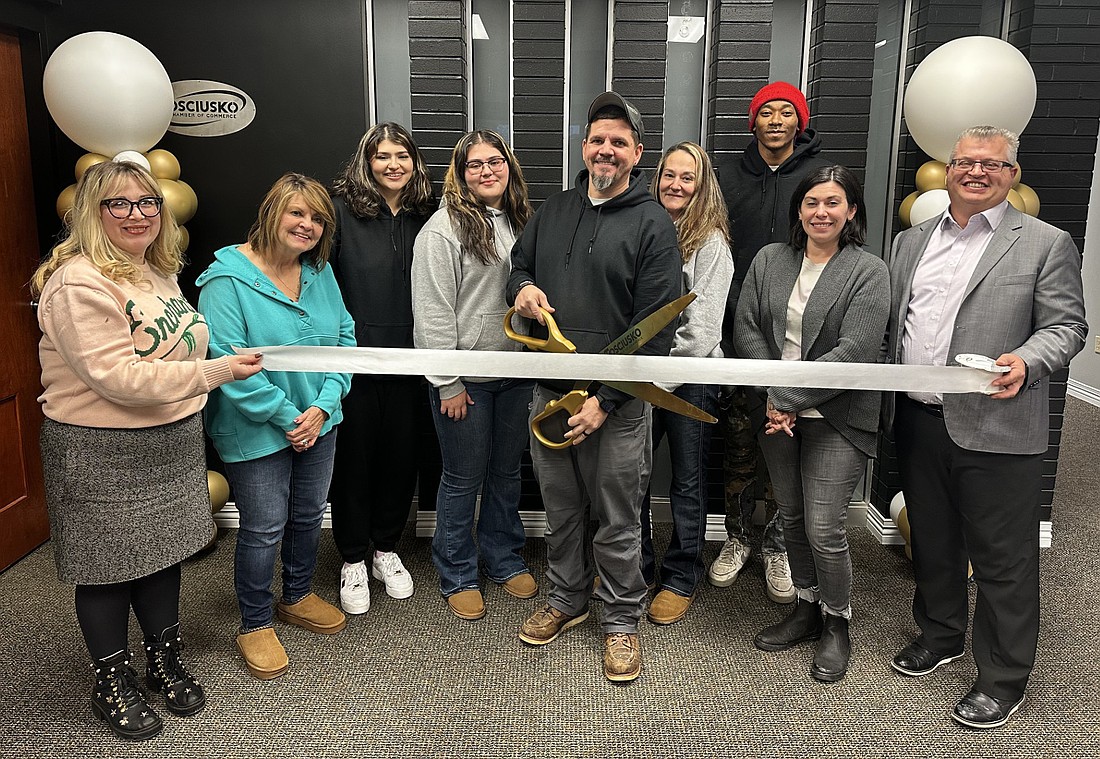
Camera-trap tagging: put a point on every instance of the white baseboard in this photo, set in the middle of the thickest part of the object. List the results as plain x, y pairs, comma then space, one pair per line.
886, 532
1084, 392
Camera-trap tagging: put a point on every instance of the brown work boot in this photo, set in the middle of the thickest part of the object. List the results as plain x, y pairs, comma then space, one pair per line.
622, 657
668, 607
314, 614
467, 604
522, 585
263, 654
546, 624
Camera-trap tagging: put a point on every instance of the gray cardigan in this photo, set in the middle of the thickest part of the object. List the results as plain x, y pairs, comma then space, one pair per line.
845, 320
458, 302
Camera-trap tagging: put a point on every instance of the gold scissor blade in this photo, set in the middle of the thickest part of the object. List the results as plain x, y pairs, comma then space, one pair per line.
663, 399
641, 333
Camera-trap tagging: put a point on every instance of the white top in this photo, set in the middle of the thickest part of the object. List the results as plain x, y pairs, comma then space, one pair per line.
796, 307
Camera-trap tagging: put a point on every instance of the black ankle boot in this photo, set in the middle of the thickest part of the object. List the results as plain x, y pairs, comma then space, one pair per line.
167, 675
802, 624
118, 700
831, 660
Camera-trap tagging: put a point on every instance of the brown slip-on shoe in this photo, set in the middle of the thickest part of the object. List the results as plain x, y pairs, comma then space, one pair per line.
522, 585
622, 657
467, 604
263, 654
314, 614
668, 607
546, 624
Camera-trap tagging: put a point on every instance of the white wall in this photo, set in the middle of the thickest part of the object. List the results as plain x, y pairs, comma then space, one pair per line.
1084, 370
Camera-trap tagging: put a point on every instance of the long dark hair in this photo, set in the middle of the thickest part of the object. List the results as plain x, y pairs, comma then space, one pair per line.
855, 230
356, 184
468, 214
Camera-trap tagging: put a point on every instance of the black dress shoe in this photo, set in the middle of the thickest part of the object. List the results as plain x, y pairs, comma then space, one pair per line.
801, 625
981, 711
916, 660
831, 658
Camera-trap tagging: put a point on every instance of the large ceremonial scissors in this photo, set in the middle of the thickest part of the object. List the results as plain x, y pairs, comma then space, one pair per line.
628, 342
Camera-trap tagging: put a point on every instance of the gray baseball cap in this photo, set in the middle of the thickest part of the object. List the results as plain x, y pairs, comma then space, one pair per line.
615, 99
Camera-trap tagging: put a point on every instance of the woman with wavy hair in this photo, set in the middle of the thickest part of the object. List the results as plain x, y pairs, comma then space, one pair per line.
685, 184
382, 199
460, 269
125, 375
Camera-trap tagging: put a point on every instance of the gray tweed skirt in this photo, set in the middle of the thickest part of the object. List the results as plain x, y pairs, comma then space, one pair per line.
124, 503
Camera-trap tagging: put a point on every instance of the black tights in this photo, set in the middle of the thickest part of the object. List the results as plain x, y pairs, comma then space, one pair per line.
103, 611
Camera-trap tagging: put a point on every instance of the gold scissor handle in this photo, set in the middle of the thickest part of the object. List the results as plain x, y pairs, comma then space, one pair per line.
555, 341
570, 402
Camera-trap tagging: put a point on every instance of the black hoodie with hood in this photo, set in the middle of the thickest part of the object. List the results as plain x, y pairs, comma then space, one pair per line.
603, 268
759, 204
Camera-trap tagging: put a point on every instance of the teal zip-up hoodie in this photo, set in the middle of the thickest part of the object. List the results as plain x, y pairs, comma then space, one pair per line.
249, 418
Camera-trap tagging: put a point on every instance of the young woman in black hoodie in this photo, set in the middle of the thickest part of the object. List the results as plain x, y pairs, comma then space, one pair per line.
382, 199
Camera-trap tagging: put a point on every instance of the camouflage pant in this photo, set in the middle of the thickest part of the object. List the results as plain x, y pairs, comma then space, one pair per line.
746, 476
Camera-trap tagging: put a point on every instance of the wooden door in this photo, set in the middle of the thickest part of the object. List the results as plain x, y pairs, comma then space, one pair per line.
23, 521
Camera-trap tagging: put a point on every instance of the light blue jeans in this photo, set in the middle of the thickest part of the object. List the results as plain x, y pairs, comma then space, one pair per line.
814, 475
280, 497
481, 452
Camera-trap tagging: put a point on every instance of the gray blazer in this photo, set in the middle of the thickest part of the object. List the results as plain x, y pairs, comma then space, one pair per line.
845, 320
1025, 297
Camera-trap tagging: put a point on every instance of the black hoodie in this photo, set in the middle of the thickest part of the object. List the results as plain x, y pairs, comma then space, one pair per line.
759, 204
603, 268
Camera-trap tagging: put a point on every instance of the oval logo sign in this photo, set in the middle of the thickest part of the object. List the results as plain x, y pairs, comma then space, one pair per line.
209, 109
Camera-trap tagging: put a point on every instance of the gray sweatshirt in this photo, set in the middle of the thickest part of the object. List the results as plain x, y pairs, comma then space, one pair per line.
458, 302
708, 274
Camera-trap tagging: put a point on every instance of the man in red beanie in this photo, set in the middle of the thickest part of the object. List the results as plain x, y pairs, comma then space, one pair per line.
757, 187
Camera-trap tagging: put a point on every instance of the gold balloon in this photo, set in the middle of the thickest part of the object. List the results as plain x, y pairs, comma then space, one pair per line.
65, 201
1016, 201
192, 198
219, 491
905, 207
185, 239
932, 176
87, 161
177, 199
1030, 198
1019, 175
163, 164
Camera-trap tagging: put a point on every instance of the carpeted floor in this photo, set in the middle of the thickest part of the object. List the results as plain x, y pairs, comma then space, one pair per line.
409, 679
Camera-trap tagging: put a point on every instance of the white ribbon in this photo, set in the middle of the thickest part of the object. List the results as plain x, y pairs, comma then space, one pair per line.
600, 367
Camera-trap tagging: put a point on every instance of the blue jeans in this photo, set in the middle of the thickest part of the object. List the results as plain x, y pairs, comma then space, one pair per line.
814, 475
280, 496
689, 446
481, 452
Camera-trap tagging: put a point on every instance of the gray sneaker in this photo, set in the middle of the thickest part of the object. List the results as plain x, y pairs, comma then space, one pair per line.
777, 574
731, 560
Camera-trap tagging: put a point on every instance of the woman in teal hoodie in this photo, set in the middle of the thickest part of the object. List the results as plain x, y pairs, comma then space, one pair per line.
276, 431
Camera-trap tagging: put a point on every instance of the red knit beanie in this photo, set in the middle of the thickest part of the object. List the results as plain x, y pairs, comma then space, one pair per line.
780, 91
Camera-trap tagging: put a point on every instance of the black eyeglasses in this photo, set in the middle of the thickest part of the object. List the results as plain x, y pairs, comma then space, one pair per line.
495, 164
121, 208
989, 167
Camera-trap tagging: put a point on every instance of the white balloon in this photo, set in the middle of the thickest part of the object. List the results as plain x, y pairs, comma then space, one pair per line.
108, 93
133, 157
967, 82
928, 205
897, 503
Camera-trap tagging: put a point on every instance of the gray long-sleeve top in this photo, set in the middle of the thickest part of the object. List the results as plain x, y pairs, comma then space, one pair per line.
458, 302
708, 274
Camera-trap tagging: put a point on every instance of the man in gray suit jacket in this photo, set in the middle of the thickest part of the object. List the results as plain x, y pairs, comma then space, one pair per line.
982, 279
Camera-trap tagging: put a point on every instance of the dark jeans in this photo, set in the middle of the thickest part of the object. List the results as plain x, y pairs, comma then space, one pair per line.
689, 446
481, 452
280, 497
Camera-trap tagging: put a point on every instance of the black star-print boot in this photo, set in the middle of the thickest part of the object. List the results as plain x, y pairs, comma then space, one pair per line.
119, 701
167, 675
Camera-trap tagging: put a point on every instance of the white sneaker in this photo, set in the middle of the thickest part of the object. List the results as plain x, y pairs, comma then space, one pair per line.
388, 568
731, 560
355, 588
777, 573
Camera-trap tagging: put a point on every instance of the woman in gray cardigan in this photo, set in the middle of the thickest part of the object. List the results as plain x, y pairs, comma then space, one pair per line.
461, 262
819, 298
